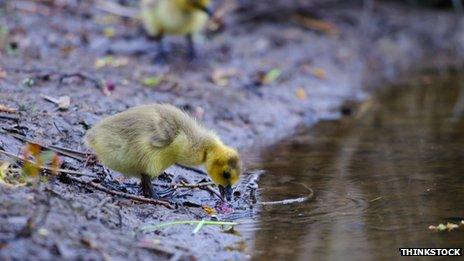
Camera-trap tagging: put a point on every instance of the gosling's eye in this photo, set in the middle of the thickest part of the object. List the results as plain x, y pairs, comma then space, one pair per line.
226, 175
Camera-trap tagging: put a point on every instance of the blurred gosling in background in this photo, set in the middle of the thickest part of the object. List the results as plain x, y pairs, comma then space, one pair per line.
174, 17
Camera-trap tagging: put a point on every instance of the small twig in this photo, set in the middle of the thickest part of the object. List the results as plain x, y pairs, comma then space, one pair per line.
199, 171
214, 192
375, 199
291, 200
284, 202
81, 156
58, 129
50, 99
66, 171
61, 75
203, 185
197, 185
6, 109
9, 117
121, 194
82, 76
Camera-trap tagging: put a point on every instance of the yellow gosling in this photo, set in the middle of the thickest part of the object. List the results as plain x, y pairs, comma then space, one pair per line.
174, 17
145, 140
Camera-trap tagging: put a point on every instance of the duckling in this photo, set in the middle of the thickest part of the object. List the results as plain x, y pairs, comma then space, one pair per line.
174, 17
145, 140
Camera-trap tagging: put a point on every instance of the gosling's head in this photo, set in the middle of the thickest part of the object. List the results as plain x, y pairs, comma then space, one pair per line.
224, 167
202, 5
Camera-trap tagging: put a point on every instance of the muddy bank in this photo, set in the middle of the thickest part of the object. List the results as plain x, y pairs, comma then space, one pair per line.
254, 83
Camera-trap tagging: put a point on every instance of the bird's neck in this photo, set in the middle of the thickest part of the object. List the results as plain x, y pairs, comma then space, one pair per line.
210, 144
195, 151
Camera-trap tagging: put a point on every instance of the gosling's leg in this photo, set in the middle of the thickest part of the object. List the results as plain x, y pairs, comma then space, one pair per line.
147, 187
161, 51
192, 54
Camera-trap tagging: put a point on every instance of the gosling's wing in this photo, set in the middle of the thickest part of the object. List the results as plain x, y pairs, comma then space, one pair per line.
157, 125
163, 132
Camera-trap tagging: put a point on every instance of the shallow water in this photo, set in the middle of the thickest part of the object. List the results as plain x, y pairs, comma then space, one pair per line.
380, 178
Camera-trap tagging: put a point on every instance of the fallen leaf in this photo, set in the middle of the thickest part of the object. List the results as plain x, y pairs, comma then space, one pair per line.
43, 232
109, 32
152, 81
224, 208
31, 169
221, 77
102, 62
47, 156
55, 164
442, 227
3, 171
108, 87
64, 102
52, 159
301, 93
4, 108
210, 211
32, 150
110, 61
270, 76
29, 82
319, 73
316, 24
451, 226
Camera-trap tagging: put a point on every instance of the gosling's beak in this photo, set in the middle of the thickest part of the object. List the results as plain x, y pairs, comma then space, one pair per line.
205, 9
226, 192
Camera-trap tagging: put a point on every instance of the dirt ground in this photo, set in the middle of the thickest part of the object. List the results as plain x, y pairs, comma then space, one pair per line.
255, 81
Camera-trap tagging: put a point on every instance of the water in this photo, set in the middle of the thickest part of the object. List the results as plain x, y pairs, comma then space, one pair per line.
380, 178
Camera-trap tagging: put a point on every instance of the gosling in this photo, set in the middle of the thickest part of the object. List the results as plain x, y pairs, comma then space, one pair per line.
174, 17
144, 141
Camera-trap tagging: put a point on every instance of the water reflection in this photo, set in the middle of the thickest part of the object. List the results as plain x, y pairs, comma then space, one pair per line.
380, 179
